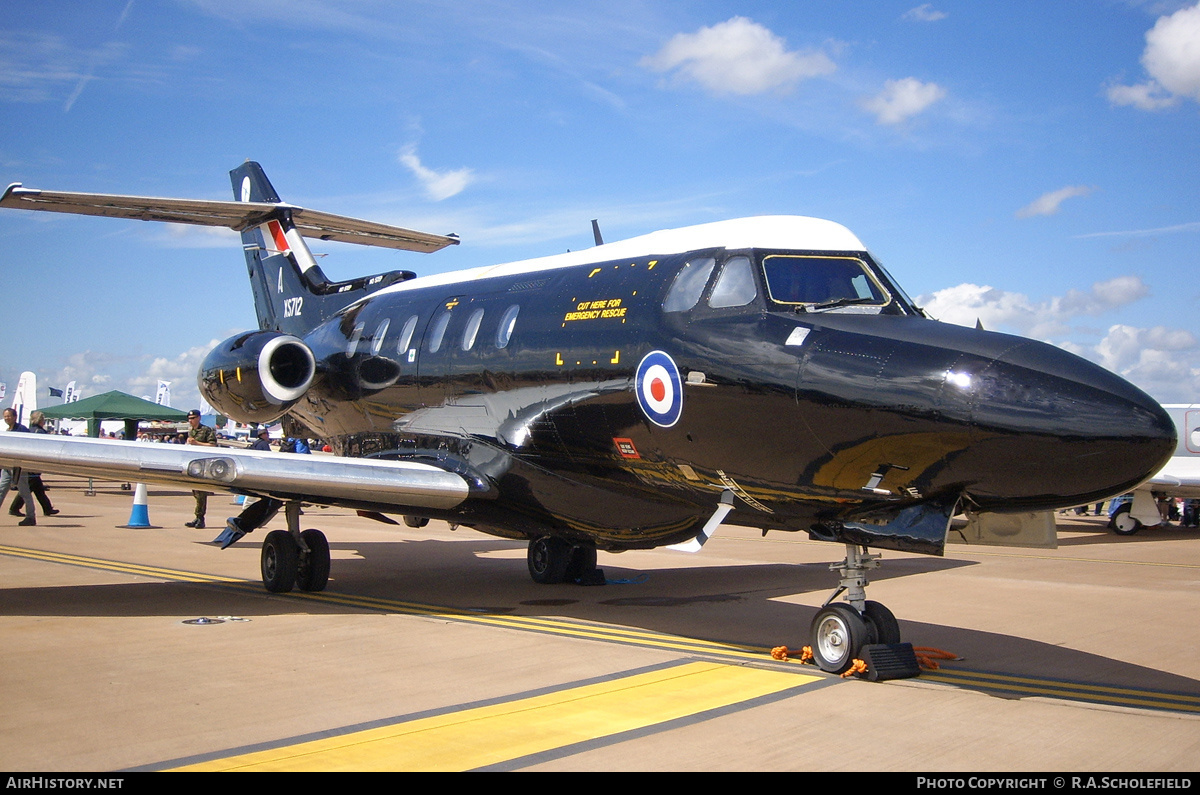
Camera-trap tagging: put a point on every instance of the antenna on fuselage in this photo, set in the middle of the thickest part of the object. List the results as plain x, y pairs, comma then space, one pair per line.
596, 233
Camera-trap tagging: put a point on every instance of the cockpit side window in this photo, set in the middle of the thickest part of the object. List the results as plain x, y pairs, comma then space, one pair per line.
735, 286
815, 279
689, 284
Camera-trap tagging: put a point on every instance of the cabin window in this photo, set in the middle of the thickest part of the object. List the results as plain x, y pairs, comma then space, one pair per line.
794, 279
508, 321
689, 284
406, 334
380, 333
735, 286
472, 329
355, 336
438, 331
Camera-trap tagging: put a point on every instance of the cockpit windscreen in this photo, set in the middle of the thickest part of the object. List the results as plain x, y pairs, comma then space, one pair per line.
817, 281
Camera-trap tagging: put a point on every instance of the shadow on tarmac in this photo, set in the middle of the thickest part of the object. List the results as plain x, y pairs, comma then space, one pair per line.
742, 605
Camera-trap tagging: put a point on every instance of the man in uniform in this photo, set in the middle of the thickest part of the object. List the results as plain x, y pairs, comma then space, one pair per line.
205, 437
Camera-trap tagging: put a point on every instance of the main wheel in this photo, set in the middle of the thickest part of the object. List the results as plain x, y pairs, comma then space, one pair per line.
280, 559
548, 558
1123, 523
838, 635
882, 622
583, 561
312, 574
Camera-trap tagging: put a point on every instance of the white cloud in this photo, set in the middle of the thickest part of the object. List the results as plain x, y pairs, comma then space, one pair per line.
1191, 226
1171, 59
924, 13
998, 309
1144, 96
438, 184
738, 56
1127, 348
1049, 203
180, 370
1163, 361
96, 372
902, 99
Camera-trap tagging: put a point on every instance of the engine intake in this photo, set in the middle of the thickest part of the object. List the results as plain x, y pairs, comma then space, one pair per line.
257, 376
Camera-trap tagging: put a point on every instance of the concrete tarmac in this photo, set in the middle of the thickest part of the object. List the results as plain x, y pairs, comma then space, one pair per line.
432, 649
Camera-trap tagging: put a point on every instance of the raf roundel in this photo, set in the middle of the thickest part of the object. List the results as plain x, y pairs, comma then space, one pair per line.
659, 389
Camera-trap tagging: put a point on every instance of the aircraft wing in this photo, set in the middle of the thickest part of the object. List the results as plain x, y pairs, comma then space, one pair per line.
1179, 478
313, 478
231, 214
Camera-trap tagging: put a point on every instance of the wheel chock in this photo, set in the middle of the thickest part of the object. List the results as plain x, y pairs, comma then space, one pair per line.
890, 661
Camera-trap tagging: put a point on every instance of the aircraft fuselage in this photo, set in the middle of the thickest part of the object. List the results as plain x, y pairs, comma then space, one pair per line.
528, 385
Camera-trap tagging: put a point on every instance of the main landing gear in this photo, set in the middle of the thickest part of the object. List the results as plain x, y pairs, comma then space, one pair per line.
553, 560
295, 559
840, 631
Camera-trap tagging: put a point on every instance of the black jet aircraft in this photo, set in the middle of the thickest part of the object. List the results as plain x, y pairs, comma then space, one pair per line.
767, 372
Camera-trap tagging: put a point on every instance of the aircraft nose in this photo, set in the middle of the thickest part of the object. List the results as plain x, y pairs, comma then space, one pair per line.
1055, 429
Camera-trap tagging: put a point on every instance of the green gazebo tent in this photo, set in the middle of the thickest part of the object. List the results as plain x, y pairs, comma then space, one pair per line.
114, 406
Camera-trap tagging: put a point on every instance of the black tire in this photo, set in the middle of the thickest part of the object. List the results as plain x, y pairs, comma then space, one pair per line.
416, 521
583, 562
280, 559
548, 558
837, 635
882, 623
1122, 523
312, 573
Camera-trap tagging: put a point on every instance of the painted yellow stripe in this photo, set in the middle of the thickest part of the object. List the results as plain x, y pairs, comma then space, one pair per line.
1068, 690
117, 566
493, 734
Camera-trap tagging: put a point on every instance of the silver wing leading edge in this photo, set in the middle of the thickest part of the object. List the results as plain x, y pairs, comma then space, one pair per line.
311, 478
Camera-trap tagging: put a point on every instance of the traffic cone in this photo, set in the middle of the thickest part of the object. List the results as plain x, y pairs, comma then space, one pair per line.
139, 516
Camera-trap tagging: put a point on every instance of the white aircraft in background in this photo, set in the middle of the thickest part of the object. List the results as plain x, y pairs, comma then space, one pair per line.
1180, 477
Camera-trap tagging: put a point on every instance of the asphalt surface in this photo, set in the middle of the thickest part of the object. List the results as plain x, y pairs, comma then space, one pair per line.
432, 649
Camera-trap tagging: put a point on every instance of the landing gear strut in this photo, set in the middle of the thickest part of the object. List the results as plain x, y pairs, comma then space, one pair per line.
291, 558
839, 631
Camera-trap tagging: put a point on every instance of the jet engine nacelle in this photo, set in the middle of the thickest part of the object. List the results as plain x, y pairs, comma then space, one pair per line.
257, 376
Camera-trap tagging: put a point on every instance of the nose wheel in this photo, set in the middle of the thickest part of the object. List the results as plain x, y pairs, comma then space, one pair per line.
838, 635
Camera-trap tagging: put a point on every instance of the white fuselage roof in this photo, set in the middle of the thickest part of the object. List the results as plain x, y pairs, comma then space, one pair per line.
793, 232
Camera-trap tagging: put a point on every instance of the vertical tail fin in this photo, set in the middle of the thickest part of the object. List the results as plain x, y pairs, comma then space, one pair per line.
291, 293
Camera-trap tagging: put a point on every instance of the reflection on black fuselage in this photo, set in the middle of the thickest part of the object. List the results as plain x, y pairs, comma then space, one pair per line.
854, 413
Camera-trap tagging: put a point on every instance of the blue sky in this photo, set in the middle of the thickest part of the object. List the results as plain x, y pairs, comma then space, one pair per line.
1034, 165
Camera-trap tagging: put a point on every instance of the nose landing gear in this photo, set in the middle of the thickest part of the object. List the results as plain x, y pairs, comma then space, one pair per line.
840, 630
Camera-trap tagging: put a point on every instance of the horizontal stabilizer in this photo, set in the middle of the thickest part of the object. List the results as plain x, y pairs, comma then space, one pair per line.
232, 214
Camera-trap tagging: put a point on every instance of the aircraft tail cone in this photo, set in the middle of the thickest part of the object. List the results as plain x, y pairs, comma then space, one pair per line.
139, 515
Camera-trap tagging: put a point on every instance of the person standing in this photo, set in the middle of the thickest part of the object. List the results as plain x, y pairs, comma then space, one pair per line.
38, 421
22, 478
263, 442
204, 436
